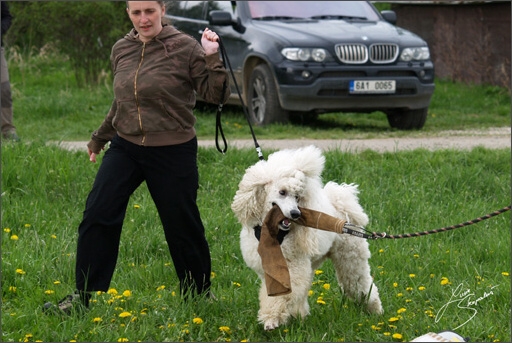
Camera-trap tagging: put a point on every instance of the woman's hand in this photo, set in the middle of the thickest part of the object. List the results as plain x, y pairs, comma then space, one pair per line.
210, 41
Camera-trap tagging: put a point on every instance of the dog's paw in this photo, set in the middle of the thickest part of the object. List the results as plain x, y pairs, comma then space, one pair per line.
375, 307
271, 324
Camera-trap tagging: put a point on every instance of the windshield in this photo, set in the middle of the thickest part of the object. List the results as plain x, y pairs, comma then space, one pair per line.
346, 10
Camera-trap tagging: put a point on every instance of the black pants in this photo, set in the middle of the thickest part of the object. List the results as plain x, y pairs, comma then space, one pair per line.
171, 176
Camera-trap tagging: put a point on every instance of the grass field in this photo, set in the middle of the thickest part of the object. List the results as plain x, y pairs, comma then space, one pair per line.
457, 280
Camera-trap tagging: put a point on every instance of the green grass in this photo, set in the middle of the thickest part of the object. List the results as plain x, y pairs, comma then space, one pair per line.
44, 192
44, 189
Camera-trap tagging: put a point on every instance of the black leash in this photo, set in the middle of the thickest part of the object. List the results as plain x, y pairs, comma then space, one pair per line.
355, 230
218, 124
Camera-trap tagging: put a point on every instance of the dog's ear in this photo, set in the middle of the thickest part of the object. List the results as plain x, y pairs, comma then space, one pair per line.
249, 200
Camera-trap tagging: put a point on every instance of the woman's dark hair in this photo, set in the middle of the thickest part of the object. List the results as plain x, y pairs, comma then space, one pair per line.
162, 3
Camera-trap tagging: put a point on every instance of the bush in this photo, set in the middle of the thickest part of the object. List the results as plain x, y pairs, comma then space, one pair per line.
83, 30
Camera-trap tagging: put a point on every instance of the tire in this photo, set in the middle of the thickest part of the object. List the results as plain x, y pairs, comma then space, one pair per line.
263, 102
408, 119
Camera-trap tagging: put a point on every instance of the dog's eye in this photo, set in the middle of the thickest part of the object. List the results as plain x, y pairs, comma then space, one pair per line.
282, 192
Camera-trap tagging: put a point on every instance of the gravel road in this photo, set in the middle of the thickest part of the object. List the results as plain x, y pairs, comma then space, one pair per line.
494, 138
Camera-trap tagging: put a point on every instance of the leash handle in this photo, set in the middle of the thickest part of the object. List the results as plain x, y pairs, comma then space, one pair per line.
218, 125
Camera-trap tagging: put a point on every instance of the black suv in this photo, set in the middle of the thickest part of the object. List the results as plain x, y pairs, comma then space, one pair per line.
310, 57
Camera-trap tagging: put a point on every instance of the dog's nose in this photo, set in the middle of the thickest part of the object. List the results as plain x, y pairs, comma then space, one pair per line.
295, 214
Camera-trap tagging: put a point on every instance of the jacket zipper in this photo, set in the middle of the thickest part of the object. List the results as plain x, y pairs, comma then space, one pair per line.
136, 95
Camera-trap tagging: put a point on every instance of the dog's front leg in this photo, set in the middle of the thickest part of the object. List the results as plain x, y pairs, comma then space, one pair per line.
277, 310
273, 310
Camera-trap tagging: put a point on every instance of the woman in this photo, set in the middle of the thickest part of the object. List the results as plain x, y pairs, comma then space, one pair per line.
157, 70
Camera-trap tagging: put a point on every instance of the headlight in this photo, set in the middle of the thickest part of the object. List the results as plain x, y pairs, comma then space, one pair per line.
305, 54
417, 54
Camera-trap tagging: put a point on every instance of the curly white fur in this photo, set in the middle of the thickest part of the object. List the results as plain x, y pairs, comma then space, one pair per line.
292, 178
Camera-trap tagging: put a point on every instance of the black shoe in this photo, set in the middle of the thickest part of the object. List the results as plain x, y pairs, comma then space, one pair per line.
71, 303
11, 136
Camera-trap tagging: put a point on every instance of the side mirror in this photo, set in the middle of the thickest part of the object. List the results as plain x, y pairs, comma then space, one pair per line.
223, 18
220, 18
389, 16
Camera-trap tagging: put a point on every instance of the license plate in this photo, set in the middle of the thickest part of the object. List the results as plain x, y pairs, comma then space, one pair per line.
372, 86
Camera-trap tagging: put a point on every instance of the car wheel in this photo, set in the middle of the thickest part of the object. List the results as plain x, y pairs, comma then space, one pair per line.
407, 119
263, 102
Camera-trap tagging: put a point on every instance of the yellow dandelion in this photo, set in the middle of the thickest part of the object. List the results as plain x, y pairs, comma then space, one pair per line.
376, 328
381, 251
20, 271
395, 284
387, 333
432, 275
225, 329
27, 225
320, 301
412, 276
49, 291
122, 339
112, 291
237, 284
400, 295
173, 293
14, 237
310, 293
416, 255
97, 320
197, 321
56, 282
127, 293
54, 236
422, 288
160, 288
409, 289
393, 319
125, 314
445, 281
397, 336
213, 275
6, 229
12, 289
136, 206
318, 272
133, 319
401, 310
327, 286
505, 273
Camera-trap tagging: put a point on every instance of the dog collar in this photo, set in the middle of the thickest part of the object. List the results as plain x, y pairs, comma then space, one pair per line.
280, 234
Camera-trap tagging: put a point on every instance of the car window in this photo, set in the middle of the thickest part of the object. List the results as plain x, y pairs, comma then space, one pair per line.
187, 9
268, 10
221, 5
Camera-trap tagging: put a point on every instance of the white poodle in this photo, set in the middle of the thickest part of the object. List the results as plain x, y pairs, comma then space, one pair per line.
291, 178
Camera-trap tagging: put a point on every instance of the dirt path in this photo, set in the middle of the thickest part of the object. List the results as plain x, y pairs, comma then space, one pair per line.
496, 138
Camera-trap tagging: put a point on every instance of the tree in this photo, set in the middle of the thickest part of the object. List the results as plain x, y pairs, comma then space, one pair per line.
83, 30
